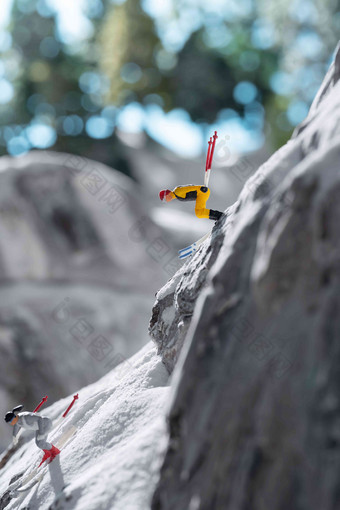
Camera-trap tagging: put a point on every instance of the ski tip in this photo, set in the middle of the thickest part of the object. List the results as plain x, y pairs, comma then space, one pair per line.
185, 255
190, 248
185, 250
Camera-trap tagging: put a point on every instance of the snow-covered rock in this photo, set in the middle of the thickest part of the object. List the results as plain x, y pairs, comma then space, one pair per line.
251, 323
80, 261
112, 460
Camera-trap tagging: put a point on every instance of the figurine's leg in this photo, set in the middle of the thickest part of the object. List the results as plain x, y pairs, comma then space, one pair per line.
202, 213
208, 213
45, 426
40, 441
50, 451
200, 210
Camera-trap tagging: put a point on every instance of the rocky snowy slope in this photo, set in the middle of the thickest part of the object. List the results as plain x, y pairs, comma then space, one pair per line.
79, 266
111, 460
251, 324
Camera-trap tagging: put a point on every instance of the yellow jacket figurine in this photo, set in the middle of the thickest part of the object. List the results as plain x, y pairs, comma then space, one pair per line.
191, 192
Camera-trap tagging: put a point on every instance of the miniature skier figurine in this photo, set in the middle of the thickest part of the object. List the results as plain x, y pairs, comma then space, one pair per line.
198, 193
32, 421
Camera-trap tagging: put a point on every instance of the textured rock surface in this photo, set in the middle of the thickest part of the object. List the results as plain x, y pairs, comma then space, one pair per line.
255, 415
74, 236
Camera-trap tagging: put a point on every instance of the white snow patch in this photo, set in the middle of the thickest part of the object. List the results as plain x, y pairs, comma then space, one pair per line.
168, 315
175, 220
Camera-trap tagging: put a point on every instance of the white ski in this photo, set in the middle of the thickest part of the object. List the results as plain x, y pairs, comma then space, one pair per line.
37, 474
190, 250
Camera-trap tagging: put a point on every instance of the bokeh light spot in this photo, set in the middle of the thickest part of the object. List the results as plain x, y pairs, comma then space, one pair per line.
6, 91
217, 36
49, 47
8, 133
297, 111
109, 113
73, 125
131, 73
309, 44
40, 135
263, 35
154, 99
245, 92
166, 60
90, 82
282, 83
44, 9
5, 40
98, 127
18, 145
45, 109
303, 11
95, 9
131, 118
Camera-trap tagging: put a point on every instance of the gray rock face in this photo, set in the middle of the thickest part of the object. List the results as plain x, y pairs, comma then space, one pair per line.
255, 414
175, 303
77, 275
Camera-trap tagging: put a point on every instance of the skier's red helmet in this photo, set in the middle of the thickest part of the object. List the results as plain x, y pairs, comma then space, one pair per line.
164, 193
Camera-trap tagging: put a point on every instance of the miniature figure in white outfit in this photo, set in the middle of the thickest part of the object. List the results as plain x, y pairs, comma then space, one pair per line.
32, 421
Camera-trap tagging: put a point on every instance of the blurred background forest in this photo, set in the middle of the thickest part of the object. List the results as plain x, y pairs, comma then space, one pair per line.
74, 73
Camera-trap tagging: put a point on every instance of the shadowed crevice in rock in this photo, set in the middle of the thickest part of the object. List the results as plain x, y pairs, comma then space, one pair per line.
57, 207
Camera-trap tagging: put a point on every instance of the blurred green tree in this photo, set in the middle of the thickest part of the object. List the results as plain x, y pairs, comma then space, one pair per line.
58, 102
217, 68
128, 42
244, 60
249, 55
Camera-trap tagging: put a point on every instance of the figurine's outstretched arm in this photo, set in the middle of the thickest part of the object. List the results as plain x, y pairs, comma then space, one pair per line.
16, 429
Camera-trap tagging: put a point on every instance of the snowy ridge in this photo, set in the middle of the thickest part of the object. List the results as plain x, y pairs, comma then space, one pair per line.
111, 462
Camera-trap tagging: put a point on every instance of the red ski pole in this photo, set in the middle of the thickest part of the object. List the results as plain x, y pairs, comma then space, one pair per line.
208, 154
70, 406
41, 404
209, 158
212, 149
207, 169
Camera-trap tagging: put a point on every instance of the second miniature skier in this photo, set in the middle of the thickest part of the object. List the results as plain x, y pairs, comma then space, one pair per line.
32, 421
